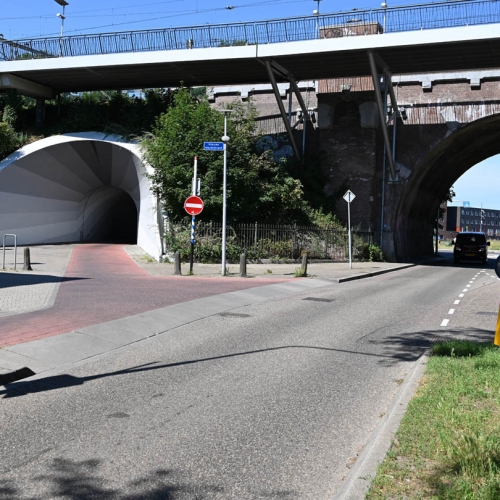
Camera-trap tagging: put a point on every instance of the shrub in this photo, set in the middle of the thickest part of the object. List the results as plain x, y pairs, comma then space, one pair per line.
375, 253
9, 140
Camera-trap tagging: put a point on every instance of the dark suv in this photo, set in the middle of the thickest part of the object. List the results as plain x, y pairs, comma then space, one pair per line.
470, 246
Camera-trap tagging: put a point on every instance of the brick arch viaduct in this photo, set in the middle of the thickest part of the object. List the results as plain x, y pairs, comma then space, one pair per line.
448, 156
452, 124
452, 121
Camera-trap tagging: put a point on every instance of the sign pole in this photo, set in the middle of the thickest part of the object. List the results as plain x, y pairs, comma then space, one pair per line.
225, 140
222, 146
497, 331
350, 235
191, 257
349, 196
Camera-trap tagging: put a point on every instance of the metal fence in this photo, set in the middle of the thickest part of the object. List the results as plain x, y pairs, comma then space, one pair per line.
351, 23
277, 241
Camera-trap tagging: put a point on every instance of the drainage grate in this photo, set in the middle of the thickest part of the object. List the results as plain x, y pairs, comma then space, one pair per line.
317, 299
486, 313
234, 315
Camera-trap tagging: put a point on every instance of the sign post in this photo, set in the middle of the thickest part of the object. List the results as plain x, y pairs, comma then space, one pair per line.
349, 196
222, 146
193, 206
497, 332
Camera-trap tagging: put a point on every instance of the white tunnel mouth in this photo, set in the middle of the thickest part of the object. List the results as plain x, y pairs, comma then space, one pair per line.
85, 187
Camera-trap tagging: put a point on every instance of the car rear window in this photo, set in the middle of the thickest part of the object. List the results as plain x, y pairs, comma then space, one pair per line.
471, 239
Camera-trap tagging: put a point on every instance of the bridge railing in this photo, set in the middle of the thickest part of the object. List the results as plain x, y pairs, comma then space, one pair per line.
351, 23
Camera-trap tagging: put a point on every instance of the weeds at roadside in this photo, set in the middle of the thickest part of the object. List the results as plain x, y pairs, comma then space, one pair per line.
448, 443
299, 273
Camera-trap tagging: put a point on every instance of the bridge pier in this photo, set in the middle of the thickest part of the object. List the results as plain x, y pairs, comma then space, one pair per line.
39, 112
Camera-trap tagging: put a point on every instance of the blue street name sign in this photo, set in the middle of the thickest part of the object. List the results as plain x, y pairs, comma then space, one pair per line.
213, 146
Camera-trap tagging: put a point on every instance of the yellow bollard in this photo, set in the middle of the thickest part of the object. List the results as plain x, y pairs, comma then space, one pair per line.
497, 333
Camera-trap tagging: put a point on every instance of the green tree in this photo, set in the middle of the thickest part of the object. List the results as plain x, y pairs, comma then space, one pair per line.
9, 140
257, 187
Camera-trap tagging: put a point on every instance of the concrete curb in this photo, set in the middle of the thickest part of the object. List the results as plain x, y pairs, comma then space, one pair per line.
374, 273
360, 477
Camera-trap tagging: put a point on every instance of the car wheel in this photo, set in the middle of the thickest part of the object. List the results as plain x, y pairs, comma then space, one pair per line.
456, 260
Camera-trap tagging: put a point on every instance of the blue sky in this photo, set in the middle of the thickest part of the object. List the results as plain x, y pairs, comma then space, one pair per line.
480, 185
34, 18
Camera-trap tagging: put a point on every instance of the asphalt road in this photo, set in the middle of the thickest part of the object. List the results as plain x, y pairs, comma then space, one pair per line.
272, 401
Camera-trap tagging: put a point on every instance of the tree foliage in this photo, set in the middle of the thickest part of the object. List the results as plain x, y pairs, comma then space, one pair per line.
258, 188
9, 140
113, 112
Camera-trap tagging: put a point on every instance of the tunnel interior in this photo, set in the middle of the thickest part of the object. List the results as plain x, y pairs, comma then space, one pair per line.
116, 218
433, 177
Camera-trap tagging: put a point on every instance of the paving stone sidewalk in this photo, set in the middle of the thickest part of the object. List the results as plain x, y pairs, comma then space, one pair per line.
26, 291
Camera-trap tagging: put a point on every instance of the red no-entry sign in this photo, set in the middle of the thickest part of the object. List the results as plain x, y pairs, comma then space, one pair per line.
193, 205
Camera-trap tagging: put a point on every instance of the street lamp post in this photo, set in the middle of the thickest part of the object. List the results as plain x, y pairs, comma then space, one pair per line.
63, 4
225, 140
316, 13
384, 6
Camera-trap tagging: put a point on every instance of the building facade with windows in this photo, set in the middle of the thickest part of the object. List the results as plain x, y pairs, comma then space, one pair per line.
460, 219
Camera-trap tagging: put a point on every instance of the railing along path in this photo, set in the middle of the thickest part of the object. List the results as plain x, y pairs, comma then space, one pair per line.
350, 23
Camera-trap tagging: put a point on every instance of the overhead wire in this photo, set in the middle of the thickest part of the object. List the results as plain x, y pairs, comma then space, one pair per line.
169, 15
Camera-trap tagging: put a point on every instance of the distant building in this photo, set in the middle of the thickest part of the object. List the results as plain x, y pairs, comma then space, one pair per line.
460, 219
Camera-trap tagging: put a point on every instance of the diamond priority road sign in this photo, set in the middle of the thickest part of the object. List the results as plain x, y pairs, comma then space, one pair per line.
193, 205
213, 146
349, 196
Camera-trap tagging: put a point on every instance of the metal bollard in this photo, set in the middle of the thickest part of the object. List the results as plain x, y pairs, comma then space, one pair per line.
27, 260
243, 265
177, 263
303, 266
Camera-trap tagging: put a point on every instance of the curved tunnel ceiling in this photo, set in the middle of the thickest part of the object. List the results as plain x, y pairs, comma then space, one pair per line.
76, 189
433, 177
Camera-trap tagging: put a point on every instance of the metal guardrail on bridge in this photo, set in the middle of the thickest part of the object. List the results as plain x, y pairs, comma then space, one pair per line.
350, 23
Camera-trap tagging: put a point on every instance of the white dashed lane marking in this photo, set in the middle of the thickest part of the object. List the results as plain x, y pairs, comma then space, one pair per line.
461, 295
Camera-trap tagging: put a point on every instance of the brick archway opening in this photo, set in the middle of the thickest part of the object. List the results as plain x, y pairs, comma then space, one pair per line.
432, 178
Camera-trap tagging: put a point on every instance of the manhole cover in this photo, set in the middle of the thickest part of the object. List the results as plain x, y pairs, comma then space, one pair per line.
234, 315
317, 299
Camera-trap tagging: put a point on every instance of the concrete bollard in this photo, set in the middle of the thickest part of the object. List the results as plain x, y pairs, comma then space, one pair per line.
243, 265
177, 263
303, 266
27, 260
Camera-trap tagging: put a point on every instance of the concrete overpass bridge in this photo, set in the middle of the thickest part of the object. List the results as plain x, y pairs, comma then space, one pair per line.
408, 173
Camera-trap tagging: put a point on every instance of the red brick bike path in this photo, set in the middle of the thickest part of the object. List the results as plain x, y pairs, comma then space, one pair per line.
103, 283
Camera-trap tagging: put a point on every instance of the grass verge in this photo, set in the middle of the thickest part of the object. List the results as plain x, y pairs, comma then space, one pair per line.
448, 443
